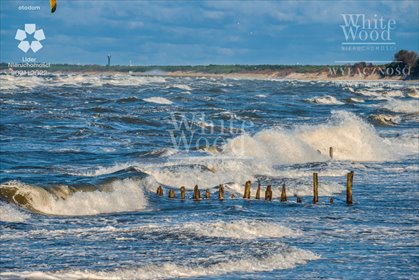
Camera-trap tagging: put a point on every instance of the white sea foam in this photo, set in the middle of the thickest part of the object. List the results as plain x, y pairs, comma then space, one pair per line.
10, 213
285, 258
403, 106
327, 99
158, 100
9, 82
118, 196
181, 86
241, 229
97, 80
380, 93
261, 95
356, 100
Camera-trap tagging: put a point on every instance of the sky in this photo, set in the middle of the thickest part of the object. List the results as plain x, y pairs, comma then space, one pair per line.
209, 32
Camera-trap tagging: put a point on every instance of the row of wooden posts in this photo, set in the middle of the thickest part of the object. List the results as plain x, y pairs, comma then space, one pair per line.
268, 191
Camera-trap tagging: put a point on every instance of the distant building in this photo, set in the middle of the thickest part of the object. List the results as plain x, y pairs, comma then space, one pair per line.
109, 60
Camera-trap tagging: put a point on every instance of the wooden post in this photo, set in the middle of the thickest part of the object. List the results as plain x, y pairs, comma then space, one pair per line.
349, 182
182, 192
283, 194
159, 191
247, 190
315, 188
299, 200
268, 193
258, 191
331, 152
221, 192
207, 194
196, 193
172, 193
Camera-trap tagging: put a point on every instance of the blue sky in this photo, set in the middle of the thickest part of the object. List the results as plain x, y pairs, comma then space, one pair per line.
202, 32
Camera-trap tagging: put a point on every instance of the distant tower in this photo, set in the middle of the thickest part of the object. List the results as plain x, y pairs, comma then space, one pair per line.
109, 60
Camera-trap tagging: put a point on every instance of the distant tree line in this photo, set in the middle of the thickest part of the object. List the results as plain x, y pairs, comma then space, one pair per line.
209, 69
403, 59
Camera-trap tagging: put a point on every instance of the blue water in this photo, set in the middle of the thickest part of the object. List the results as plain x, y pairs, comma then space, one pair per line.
83, 155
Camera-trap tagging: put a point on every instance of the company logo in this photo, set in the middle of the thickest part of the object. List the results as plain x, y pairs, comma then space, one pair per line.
25, 38
359, 28
367, 33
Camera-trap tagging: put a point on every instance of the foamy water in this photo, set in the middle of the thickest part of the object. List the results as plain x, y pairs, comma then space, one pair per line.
325, 100
281, 260
11, 213
399, 106
158, 100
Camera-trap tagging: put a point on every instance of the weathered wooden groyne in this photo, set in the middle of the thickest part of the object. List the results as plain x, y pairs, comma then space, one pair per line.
268, 191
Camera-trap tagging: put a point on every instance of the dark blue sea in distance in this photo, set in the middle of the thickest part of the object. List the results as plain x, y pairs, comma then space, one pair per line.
83, 154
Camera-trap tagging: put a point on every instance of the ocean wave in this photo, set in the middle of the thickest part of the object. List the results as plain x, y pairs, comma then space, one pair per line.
380, 93
327, 99
102, 170
158, 100
351, 138
387, 120
284, 258
180, 86
413, 92
356, 100
117, 196
403, 106
247, 157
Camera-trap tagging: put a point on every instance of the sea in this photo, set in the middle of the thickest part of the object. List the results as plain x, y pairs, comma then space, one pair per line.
82, 155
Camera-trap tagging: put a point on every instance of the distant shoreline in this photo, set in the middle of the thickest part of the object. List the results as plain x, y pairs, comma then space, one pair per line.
292, 72
316, 76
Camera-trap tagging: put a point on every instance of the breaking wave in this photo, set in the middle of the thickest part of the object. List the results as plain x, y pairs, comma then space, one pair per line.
380, 93
158, 100
350, 136
403, 106
413, 92
325, 100
356, 100
117, 196
387, 120
180, 86
10, 82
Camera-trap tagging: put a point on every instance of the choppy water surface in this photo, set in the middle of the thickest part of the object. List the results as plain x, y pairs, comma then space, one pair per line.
82, 156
